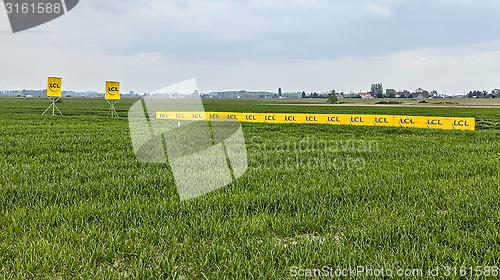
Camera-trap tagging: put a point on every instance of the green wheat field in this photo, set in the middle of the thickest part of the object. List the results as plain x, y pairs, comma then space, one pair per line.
76, 204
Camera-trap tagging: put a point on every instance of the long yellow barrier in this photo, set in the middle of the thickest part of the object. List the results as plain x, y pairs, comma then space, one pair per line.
333, 119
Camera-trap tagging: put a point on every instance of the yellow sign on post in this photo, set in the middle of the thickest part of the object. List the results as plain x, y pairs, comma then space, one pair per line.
112, 90
113, 96
54, 87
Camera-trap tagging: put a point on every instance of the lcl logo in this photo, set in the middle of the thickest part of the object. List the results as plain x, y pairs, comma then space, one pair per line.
197, 116
434, 122
333, 119
54, 87
180, 116
26, 14
113, 90
381, 121
290, 119
311, 119
269, 118
214, 116
232, 117
250, 118
406, 121
356, 120
460, 123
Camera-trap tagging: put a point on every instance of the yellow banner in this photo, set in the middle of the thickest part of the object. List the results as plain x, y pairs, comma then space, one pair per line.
313, 118
270, 118
333, 119
436, 122
463, 123
214, 116
338, 119
54, 86
364, 120
112, 90
291, 118
371, 120
187, 116
222, 116
248, 117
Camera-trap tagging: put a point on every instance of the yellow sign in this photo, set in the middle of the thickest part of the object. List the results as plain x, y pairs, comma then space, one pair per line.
112, 90
339, 119
291, 118
54, 87
219, 116
463, 123
270, 118
333, 119
214, 116
436, 122
249, 117
371, 120
186, 116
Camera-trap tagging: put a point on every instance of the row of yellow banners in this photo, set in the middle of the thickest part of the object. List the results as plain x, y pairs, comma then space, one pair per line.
54, 88
333, 119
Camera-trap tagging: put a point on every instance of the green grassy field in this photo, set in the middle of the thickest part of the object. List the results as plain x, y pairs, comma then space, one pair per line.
75, 203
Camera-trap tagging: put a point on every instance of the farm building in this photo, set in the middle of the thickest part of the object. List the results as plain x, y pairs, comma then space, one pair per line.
365, 95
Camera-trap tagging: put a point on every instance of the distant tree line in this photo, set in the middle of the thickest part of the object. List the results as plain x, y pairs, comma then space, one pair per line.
377, 91
314, 95
484, 94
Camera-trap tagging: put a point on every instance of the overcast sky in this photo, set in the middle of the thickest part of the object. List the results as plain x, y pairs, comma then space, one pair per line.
298, 45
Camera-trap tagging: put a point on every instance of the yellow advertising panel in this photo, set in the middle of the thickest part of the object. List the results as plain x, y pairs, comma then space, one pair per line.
195, 116
410, 121
213, 116
164, 115
249, 117
380, 120
54, 87
340, 119
436, 122
315, 118
463, 123
291, 118
333, 119
112, 90
361, 120
230, 117
270, 118
299, 118
219, 116
188, 116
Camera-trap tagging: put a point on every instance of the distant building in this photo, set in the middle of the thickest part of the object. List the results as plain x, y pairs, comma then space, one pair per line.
365, 95
402, 94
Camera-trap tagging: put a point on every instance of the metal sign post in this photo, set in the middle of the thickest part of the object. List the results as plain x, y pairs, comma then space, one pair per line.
112, 96
112, 110
54, 86
53, 105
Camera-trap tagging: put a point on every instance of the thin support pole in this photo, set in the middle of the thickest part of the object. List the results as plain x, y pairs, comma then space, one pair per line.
53, 105
112, 110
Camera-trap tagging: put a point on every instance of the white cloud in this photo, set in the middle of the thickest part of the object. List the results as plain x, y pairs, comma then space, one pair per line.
372, 10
